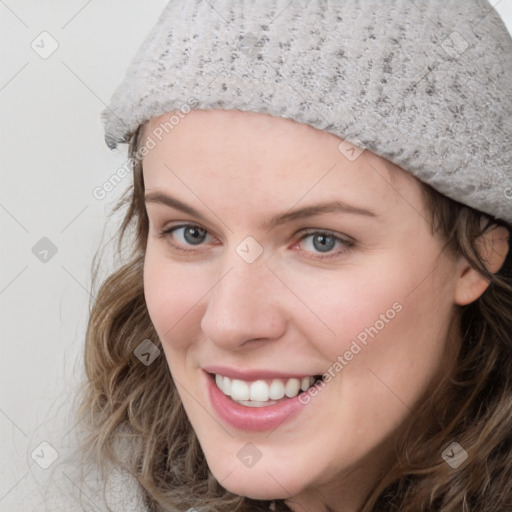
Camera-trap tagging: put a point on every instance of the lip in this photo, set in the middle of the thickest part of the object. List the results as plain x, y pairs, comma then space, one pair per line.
253, 375
251, 418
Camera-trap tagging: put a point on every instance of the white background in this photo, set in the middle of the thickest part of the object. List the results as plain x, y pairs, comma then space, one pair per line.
52, 156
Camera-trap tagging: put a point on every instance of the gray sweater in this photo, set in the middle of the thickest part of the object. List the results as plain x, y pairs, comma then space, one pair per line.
63, 493
55, 478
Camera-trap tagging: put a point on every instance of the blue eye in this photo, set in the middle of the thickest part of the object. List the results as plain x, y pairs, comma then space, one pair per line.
324, 242
193, 234
321, 245
189, 234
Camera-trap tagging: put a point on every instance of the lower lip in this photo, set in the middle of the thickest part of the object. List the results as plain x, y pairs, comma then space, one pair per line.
251, 418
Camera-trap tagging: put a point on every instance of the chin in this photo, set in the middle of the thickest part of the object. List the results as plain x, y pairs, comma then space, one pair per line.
258, 483
256, 490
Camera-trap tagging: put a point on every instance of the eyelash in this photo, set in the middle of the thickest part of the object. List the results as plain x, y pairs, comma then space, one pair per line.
347, 244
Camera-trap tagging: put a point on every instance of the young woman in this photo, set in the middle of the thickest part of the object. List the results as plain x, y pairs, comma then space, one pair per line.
315, 313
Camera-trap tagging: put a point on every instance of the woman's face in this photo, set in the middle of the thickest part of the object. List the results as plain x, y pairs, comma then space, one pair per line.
297, 260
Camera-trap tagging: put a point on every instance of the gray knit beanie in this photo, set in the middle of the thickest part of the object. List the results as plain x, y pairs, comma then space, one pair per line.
424, 84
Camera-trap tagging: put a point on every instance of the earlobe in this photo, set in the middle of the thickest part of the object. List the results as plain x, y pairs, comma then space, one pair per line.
470, 286
493, 248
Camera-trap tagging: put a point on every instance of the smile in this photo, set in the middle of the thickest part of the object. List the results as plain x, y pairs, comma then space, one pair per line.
262, 393
259, 399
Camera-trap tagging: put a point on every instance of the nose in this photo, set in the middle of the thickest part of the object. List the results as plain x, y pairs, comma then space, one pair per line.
245, 305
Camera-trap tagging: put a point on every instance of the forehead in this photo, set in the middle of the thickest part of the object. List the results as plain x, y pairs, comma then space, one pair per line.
263, 156
226, 132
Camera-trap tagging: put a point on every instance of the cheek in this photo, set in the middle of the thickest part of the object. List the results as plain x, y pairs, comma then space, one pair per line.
388, 347
172, 296
389, 315
350, 305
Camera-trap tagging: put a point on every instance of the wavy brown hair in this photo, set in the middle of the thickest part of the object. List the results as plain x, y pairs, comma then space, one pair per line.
134, 418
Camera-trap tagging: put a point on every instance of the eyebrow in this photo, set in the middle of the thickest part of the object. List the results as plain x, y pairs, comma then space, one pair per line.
289, 216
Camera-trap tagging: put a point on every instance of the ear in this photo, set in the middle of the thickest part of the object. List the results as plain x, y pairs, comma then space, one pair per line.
493, 249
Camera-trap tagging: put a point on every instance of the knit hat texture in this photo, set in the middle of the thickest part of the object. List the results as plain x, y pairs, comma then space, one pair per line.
424, 84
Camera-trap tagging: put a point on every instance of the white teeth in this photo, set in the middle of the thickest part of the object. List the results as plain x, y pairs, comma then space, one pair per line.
276, 390
292, 388
226, 385
254, 403
239, 390
259, 393
305, 383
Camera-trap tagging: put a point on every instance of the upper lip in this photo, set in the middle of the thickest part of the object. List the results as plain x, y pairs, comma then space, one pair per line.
253, 374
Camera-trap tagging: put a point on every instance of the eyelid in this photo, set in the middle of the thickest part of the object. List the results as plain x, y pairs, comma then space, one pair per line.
334, 234
347, 241
169, 230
